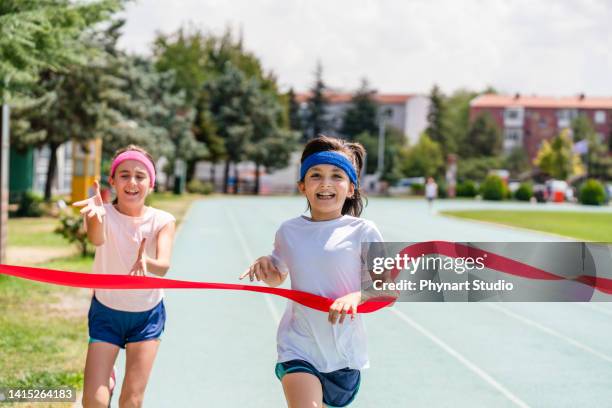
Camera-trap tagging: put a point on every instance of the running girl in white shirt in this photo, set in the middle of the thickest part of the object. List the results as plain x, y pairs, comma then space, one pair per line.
130, 239
320, 355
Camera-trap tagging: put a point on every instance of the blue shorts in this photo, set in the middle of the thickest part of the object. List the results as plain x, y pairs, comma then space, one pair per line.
119, 327
340, 387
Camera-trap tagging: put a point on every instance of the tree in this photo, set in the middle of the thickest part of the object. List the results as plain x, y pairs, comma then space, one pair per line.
423, 159
395, 142
316, 121
35, 36
437, 117
517, 161
66, 105
483, 138
582, 128
458, 120
200, 60
231, 97
362, 115
205, 131
263, 115
295, 118
557, 159
477, 168
187, 53
597, 158
275, 152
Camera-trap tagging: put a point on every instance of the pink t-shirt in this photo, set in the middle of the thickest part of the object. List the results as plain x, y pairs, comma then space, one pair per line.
117, 255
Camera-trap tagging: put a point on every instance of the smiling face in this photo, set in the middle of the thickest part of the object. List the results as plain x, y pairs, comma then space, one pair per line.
326, 187
131, 182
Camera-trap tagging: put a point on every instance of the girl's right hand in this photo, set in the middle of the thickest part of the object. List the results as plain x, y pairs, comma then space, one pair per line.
93, 206
262, 269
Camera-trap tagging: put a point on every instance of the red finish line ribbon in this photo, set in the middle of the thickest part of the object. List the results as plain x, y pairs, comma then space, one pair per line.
499, 263
492, 261
99, 281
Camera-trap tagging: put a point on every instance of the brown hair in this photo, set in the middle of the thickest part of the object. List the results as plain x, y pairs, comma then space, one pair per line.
136, 149
355, 152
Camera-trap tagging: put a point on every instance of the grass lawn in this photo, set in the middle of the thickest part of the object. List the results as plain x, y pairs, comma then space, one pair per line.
579, 225
43, 328
34, 232
43, 331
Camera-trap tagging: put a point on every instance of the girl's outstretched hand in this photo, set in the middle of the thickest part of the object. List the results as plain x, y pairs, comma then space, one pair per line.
140, 266
93, 206
262, 269
342, 306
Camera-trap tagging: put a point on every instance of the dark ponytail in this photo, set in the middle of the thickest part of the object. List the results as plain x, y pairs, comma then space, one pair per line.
356, 153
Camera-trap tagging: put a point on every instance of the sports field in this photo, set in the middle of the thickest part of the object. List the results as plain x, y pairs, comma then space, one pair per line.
219, 347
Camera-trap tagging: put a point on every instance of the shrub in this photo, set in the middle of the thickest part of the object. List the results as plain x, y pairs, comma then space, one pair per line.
442, 190
467, 189
493, 188
199, 187
592, 193
30, 205
71, 228
524, 192
417, 188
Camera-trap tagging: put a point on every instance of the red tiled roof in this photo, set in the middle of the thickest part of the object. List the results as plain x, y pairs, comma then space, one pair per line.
337, 97
569, 102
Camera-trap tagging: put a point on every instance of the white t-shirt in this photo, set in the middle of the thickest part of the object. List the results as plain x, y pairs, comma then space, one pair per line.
431, 190
323, 258
117, 255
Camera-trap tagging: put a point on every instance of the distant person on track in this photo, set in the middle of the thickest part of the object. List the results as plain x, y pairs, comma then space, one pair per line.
431, 192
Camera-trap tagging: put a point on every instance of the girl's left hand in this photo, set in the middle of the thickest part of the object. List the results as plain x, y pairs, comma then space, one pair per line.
140, 266
341, 307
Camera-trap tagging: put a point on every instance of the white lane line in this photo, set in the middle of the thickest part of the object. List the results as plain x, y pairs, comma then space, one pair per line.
467, 363
552, 332
593, 306
250, 258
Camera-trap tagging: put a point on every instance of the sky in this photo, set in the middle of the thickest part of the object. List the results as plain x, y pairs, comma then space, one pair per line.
544, 47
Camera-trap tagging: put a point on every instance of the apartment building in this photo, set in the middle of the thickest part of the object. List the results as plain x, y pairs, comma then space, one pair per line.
407, 112
526, 121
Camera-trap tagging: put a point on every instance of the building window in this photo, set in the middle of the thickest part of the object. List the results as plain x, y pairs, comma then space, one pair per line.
565, 117
600, 117
514, 116
513, 138
542, 123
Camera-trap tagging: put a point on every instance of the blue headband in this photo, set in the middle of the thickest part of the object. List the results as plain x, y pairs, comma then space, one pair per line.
330, 157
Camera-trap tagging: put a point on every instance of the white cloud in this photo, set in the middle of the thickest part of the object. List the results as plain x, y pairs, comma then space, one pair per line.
546, 47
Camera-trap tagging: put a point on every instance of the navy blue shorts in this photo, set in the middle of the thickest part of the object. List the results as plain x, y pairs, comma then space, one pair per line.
119, 327
340, 387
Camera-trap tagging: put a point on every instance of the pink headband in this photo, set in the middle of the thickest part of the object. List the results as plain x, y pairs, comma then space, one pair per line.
134, 155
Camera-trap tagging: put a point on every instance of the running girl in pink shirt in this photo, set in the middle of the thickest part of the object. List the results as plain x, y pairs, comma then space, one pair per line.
130, 239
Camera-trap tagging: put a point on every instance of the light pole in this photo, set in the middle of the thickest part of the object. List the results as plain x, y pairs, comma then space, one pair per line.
4, 169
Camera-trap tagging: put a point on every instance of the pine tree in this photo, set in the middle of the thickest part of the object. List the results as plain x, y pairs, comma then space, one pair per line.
362, 115
483, 138
317, 122
295, 118
437, 118
36, 35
